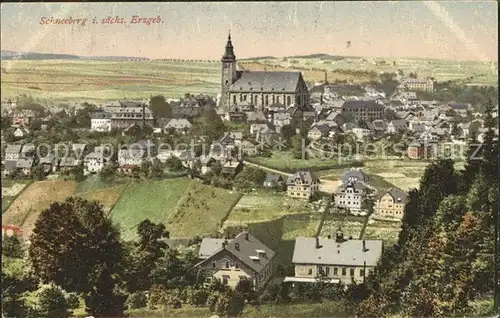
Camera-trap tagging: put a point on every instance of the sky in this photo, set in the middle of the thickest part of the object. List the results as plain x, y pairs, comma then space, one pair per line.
461, 30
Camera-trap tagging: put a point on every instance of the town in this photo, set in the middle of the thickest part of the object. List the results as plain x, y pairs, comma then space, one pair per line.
276, 197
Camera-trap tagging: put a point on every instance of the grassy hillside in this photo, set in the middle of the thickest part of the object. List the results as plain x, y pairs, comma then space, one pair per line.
186, 207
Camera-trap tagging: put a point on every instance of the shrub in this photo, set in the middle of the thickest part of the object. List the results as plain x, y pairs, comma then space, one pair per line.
137, 300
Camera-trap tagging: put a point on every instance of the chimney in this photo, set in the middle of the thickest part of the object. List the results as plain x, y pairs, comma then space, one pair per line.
364, 246
224, 244
246, 236
339, 236
317, 243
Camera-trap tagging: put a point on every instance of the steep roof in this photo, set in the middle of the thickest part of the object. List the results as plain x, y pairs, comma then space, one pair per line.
306, 177
243, 246
354, 174
259, 81
349, 252
397, 195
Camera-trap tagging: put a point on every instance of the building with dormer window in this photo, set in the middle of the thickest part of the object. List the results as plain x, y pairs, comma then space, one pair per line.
302, 185
232, 260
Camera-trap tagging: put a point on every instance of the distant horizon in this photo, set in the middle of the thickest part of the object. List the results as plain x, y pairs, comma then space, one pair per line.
451, 30
248, 58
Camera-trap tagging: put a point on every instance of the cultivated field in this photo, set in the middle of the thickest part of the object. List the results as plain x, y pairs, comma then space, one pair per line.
484, 73
78, 80
186, 207
38, 196
10, 190
98, 81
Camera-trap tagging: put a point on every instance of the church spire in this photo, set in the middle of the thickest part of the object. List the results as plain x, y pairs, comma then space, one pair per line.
229, 52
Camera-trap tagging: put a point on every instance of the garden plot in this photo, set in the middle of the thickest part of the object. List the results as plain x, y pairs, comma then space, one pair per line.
13, 190
350, 225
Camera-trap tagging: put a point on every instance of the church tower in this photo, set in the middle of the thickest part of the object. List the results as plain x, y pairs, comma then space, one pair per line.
228, 73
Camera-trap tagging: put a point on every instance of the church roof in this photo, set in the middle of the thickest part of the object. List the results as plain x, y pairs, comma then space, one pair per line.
267, 81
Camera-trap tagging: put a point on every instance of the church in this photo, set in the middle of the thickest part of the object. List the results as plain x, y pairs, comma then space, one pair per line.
259, 88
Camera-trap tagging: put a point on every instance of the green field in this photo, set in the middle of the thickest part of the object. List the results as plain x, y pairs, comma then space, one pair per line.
186, 207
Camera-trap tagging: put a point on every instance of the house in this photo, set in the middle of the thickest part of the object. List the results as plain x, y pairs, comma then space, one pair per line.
13, 152
334, 259
459, 108
237, 136
28, 151
361, 133
391, 204
100, 121
24, 165
66, 164
416, 127
185, 112
318, 131
258, 128
302, 184
256, 117
231, 168
48, 163
232, 260
12, 230
128, 158
227, 141
379, 126
181, 125
422, 150
273, 180
397, 126
350, 196
236, 115
21, 132
248, 148
355, 175
417, 84
9, 166
281, 119
23, 117
93, 162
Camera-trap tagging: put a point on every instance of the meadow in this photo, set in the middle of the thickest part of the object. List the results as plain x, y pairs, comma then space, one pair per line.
186, 207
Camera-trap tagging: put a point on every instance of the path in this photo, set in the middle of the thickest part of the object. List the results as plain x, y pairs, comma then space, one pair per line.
327, 186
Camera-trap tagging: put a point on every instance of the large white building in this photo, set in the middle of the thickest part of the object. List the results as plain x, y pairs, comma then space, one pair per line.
349, 196
100, 122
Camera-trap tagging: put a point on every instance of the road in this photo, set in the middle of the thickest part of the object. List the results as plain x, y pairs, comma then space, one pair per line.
327, 186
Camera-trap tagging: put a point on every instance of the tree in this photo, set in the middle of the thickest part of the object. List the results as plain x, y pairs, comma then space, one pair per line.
71, 241
159, 107
108, 171
50, 302
103, 299
412, 75
13, 304
297, 147
38, 172
156, 169
246, 290
287, 132
11, 247
174, 164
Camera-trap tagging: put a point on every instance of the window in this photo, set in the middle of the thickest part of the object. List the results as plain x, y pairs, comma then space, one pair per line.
267, 100
362, 272
227, 264
237, 265
351, 272
244, 97
277, 99
288, 100
344, 271
327, 271
310, 271
225, 278
335, 271
320, 270
214, 264
227, 82
234, 99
